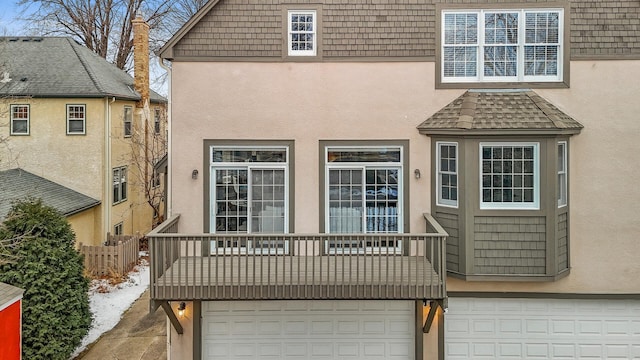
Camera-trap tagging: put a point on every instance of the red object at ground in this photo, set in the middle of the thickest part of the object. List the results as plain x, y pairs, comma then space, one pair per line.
10, 322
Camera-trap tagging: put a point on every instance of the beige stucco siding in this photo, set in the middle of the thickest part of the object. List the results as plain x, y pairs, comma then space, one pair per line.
79, 161
84, 226
301, 102
48, 152
329, 101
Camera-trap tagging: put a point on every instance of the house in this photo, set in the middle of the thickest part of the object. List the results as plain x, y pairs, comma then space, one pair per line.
10, 322
80, 210
62, 104
402, 180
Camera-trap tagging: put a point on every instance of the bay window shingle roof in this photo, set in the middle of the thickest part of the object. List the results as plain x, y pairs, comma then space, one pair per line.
500, 111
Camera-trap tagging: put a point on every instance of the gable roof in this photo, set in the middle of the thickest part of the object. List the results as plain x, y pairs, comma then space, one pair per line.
166, 51
18, 184
505, 111
60, 67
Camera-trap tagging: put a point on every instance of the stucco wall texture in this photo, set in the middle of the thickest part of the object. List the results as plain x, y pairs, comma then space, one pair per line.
309, 102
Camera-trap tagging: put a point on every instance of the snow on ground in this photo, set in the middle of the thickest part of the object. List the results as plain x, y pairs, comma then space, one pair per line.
108, 303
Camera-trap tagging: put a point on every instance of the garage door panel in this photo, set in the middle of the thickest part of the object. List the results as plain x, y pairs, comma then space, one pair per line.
569, 329
309, 330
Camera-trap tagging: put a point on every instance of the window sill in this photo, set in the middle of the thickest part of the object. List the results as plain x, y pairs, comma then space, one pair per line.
502, 85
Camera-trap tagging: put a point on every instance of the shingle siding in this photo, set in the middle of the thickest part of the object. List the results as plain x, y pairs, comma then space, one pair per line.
510, 245
236, 28
605, 28
366, 28
391, 28
450, 224
563, 243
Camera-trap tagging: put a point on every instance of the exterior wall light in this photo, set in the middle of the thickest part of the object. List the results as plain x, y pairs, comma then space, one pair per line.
182, 305
194, 174
416, 172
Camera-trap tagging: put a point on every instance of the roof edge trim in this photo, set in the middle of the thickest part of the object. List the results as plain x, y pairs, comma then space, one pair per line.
166, 51
499, 132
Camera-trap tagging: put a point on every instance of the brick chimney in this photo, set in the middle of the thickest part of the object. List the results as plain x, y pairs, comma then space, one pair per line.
141, 59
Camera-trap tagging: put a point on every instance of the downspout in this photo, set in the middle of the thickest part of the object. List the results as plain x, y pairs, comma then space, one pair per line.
106, 203
168, 200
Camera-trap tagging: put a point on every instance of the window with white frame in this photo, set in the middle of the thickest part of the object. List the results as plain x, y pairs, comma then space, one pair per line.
76, 119
156, 120
19, 119
117, 229
155, 179
562, 173
447, 177
509, 176
128, 120
302, 33
363, 189
119, 184
249, 189
502, 45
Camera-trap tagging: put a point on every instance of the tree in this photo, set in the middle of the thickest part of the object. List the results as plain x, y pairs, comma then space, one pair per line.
148, 145
56, 312
104, 26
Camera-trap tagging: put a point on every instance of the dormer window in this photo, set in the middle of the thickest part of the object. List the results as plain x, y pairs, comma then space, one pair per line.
502, 45
302, 30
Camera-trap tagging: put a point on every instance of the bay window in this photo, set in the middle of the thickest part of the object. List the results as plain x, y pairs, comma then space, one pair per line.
447, 173
509, 176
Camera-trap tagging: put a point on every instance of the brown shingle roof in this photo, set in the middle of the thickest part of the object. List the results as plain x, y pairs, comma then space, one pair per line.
500, 110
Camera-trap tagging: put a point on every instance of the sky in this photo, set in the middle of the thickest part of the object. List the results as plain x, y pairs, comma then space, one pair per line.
9, 25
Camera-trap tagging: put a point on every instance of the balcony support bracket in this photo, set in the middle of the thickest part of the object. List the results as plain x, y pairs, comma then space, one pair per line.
172, 317
431, 315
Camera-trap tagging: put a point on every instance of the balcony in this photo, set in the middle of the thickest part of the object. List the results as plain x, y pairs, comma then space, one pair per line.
296, 266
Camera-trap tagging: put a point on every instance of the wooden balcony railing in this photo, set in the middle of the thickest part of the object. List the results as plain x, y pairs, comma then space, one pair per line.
296, 266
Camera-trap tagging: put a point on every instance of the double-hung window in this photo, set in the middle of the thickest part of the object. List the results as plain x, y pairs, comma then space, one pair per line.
117, 229
502, 45
119, 184
510, 176
562, 173
302, 33
363, 189
76, 119
128, 120
19, 119
156, 120
447, 173
250, 194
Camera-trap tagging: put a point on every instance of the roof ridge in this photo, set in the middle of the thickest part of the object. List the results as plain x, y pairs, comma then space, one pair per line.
543, 105
85, 65
467, 110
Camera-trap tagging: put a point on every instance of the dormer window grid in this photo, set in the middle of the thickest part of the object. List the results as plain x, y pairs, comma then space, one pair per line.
302, 33
502, 45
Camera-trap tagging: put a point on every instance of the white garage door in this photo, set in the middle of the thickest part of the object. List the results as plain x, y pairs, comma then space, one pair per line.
542, 329
319, 330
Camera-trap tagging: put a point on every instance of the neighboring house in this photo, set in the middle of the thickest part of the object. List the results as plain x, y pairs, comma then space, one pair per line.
307, 140
71, 117
80, 210
10, 322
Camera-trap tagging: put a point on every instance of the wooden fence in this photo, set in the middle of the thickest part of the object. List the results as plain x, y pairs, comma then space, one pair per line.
118, 256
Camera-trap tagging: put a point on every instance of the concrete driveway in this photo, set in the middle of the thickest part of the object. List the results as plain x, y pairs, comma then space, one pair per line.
138, 336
